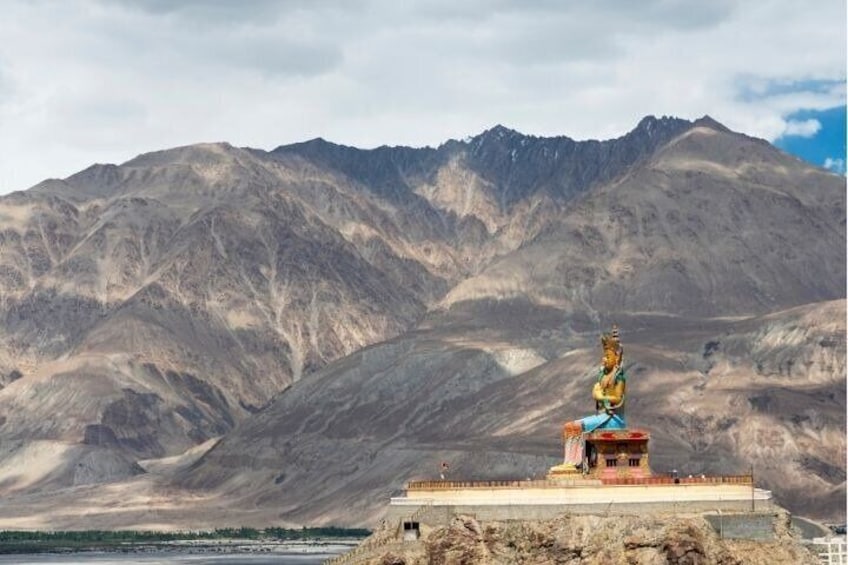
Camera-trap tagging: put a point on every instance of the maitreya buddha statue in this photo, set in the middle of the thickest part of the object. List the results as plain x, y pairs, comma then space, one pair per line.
608, 394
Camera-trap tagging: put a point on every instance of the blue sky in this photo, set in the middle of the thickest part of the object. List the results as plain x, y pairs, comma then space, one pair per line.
101, 81
823, 142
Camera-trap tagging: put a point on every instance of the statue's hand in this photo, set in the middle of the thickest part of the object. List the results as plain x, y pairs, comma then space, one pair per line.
609, 378
597, 392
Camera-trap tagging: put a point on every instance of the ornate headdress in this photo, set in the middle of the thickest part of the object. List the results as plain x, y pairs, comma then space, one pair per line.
612, 345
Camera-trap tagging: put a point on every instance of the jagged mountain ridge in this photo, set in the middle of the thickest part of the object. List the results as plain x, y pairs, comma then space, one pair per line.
185, 288
515, 165
685, 233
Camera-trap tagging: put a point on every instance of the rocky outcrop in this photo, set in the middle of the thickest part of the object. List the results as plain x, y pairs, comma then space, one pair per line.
644, 539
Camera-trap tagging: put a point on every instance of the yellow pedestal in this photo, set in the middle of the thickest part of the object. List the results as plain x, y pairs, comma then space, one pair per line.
566, 470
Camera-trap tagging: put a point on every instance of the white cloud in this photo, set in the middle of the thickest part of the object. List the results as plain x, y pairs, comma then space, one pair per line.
86, 81
836, 165
802, 128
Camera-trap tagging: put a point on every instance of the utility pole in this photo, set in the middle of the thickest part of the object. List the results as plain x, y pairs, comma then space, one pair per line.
752, 487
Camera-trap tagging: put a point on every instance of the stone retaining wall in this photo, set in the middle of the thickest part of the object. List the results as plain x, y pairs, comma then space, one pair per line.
435, 515
759, 527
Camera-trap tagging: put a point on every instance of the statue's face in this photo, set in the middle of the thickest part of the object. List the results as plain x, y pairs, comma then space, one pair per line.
609, 361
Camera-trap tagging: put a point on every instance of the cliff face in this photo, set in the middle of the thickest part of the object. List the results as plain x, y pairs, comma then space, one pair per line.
346, 318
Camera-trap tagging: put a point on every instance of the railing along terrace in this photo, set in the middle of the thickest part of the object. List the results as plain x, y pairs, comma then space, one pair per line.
581, 481
671, 480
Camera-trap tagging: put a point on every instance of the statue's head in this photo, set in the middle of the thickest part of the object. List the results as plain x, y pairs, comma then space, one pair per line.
613, 352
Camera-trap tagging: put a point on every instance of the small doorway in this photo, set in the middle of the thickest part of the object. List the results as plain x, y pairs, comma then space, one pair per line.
411, 531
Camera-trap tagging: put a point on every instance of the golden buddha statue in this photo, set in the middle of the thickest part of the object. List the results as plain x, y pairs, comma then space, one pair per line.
608, 393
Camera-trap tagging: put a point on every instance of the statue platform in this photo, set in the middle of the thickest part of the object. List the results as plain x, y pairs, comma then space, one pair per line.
435, 502
603, 471
610, 454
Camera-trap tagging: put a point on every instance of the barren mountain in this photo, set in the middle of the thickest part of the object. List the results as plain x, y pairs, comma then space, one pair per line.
490, 396
713, 223
346, 318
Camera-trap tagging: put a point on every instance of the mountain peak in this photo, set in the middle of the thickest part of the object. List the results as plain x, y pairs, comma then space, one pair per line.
498, 132
500, 129
315, 143
708, 122
651, 125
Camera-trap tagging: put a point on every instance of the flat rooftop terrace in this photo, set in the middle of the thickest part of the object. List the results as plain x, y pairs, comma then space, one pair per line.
513, 499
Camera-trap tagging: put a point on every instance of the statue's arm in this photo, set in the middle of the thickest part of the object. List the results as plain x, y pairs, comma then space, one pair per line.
598, 392
611, 397
616, 396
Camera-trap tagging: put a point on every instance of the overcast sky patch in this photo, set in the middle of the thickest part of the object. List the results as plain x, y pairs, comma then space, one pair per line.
805, 128
84, 81
753, 88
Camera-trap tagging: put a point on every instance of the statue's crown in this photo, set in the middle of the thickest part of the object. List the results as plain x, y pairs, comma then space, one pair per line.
612, 343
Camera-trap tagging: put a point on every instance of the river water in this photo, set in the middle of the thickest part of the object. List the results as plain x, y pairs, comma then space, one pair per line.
166, 557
